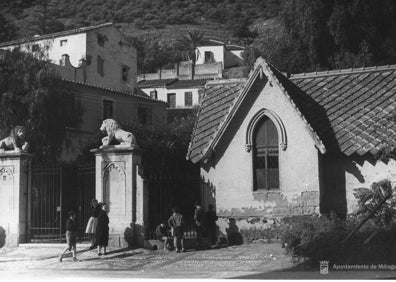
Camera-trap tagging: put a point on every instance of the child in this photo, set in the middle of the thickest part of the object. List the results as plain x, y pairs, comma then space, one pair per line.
176, 222
102, 229
71, 234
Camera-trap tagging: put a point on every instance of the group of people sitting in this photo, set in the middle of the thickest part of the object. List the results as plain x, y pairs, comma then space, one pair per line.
205, 223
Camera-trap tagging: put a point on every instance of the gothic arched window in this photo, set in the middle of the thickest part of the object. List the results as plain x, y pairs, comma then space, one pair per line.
265, 155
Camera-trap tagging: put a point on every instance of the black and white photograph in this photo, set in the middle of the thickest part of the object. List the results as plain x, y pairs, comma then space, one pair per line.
197, 139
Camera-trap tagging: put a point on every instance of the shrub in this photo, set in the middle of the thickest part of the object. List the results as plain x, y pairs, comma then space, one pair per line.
314, 237
254, 234
369, 199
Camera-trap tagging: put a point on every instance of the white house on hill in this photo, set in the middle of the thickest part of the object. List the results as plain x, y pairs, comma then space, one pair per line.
214, 51
179, 94
96, 55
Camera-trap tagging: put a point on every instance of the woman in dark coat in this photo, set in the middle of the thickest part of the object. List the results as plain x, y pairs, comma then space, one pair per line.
102, 229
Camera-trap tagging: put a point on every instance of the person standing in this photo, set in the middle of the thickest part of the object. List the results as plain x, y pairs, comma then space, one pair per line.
71, 236
211, 226
176, 222
199, 218
93, 222
102, 229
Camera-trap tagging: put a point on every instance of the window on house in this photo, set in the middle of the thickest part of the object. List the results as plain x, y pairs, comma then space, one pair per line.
35, 47
265, 156
63, 42
209, 57
154, 94
101, 40
124, 73
100, 65
171, 100
144, 116
188, 98
108, 109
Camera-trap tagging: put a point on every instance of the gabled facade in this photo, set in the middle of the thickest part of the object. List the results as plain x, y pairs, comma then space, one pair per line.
271, 147
95, 55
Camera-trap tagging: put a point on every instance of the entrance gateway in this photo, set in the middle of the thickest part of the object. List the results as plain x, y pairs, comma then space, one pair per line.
56, 189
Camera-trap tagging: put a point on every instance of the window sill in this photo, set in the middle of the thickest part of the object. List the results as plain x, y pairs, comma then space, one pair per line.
267, 192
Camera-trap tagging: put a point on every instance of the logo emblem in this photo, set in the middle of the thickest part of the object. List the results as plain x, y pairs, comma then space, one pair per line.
324, 267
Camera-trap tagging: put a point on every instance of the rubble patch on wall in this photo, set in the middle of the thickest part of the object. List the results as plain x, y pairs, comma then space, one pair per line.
277, 205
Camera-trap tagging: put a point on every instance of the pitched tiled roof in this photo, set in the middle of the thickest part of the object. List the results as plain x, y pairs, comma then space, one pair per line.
156, 82
188, 83
234, 48
137, 92
56, 34
350, 109
218, 99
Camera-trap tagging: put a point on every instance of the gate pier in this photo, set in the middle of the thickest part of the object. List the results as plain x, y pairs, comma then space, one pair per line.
14, 183
119, 185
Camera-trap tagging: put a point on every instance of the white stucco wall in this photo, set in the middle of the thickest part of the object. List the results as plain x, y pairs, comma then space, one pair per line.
75, 47
232, 175
115, 53
218, 53
180, 99
162, 95
233, 58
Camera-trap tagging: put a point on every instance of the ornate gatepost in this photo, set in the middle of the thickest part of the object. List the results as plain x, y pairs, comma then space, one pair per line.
120, 186
14, 185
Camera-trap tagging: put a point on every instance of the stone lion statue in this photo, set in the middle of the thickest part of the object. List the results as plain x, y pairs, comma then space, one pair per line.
15, 141
114, 132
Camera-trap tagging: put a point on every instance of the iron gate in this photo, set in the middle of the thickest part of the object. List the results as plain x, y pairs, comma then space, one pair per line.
172, 189
56, 189
46, 204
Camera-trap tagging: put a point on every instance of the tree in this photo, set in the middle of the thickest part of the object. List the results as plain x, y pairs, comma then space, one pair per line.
7, 30
189, 43
43, 20
306, 33
153, 54
30, 96
164, 149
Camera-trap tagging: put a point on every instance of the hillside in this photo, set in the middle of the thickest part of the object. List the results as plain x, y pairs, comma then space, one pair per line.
44, 16
295, 35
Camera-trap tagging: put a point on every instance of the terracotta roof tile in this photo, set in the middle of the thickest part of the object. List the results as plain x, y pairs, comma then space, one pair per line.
156, 82
217, 101
361, 103
348, 110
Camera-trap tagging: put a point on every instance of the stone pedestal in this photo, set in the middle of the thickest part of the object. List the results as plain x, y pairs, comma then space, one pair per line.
14, 183
119, 185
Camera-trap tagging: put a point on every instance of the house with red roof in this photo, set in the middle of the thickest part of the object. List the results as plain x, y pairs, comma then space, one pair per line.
272, 146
